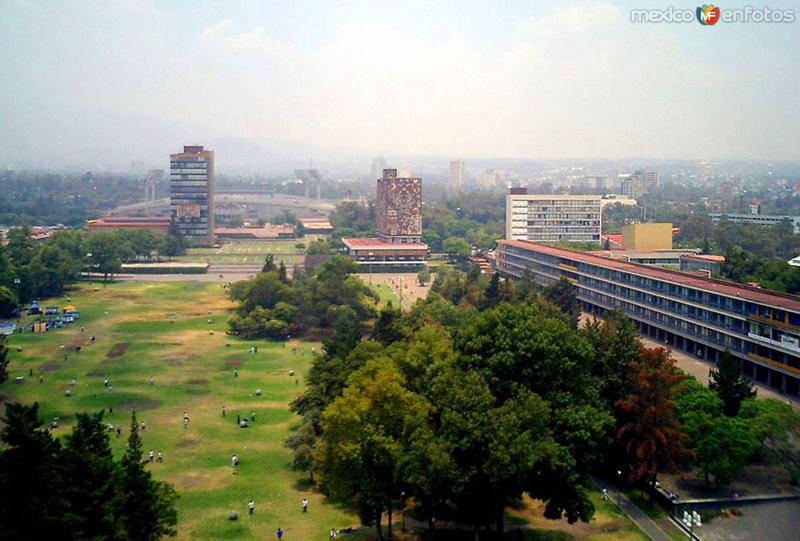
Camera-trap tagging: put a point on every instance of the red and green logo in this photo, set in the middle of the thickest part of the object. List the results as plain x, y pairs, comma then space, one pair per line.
707, 15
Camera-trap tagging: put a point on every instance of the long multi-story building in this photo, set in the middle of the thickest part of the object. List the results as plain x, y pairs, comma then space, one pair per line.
700, 315
457, 172
192, 185
756, 219
553, 218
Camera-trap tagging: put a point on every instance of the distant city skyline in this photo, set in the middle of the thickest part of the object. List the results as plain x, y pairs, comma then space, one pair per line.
93, 81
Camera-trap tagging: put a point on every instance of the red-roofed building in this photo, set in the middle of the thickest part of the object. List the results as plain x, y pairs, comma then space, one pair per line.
378, 255
316, 226
701, 315
159, 226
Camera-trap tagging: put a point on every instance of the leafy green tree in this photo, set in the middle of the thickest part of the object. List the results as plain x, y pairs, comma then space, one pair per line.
776, 427
491, 295
722, 446
20, 247
389, 326
457, 247
363, 440
616, 348
3, 360
562, 294
730, 384
32, 505
148, 508
8, 302
424, 276
344, 334
106, 258
302, 443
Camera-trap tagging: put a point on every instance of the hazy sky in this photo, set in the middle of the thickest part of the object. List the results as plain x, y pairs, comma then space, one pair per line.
137, 78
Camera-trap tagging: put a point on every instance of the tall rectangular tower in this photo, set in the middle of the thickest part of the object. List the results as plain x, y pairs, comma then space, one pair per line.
457, 171
399, 212
192, 185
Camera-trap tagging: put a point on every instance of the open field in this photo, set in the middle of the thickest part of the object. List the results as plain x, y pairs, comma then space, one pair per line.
193, 372
245, 252
160, 329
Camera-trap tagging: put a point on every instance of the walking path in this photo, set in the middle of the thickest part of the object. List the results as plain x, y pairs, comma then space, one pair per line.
645, 523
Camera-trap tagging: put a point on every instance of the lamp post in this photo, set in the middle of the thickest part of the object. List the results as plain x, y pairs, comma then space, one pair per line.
690, 520
403, 506
17, 282
89, 257
619, 492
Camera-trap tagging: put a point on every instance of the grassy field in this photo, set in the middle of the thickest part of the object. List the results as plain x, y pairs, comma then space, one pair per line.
162, 330
244, 252
193, 372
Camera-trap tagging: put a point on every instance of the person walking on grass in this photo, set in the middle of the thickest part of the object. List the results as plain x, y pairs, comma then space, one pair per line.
160, 457
251, 506
279, 534
305, 505
152, 455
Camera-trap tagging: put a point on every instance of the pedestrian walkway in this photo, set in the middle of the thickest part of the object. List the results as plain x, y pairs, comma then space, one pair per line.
645, 523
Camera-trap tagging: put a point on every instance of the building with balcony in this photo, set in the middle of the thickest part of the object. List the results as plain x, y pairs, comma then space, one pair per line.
693, 313
553, 218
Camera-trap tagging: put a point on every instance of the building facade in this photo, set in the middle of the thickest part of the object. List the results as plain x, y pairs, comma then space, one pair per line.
756, 219
192, 185
647, 236
700, 315
457, 173
399, 208
156, 225
553, 218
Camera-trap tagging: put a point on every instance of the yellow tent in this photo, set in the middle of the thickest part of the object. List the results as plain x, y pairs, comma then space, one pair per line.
69, 308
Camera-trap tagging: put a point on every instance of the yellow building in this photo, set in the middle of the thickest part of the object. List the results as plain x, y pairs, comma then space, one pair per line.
647, 237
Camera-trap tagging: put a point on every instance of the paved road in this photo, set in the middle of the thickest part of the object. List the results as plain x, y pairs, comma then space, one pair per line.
645, 523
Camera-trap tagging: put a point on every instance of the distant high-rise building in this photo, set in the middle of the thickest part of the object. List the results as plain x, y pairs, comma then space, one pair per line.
399, 209
596, 182
457, 171
635, 185
153, 176
553, 218
488, 178
192, 185
377, 167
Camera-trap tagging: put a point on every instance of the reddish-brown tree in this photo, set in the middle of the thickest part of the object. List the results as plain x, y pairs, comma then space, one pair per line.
651, 435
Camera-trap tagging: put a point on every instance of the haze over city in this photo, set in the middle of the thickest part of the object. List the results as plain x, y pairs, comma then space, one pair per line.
91, 82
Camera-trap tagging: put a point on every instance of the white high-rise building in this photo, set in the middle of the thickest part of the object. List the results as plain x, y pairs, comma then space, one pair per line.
457, 171
377, 167
553, 218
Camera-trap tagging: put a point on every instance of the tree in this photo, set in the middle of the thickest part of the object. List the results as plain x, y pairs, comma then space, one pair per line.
302, 444
616, 348
8, 302
3, 359
424, 276
722, 446
388, 327
491, 295
20, 247
32, 504
653, 435
457, 247
777, 429
562, 294
148, 508
175, 243
105, 252
363, 440
344, 334
730, 384
269, 264
283, 276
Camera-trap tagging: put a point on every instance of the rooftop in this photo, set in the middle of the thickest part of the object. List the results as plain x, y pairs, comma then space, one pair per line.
377, 244
730, 289
707, 257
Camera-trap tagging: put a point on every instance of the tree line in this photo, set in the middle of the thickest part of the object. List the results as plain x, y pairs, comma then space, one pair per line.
31, 270
488, 389
76, 489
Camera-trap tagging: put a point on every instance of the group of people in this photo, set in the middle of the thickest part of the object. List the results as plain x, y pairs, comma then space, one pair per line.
152, 456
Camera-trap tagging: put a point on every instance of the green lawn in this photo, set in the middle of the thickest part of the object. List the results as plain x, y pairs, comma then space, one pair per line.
245, 252
193, 372
385, 295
